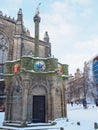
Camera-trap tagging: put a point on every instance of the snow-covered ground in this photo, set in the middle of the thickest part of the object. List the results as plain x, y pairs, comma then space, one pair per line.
78, 119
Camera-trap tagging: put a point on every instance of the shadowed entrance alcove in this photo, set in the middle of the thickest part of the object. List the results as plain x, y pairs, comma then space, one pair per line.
39, 94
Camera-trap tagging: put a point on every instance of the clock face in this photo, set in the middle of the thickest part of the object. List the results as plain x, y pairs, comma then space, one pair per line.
39, 66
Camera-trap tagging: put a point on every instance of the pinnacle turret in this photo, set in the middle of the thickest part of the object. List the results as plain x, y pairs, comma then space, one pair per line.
46, 37
20, 15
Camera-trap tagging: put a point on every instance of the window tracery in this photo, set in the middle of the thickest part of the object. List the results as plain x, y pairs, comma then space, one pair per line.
3, 51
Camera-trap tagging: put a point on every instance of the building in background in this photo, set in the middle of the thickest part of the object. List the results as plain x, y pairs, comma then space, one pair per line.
95, 74
75, 87
84, 84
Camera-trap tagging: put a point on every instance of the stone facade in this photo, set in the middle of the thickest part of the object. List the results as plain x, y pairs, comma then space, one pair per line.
81, 86
19, 41
29, 85
34, 81
15, 42
75, 87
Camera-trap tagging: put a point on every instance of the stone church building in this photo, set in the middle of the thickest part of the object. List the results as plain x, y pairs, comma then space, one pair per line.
34, 80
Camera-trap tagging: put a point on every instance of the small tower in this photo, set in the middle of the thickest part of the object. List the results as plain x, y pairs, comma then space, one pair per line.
48, 44
18, 40
20, 15
78, 73
36, 21
46, 37
19, 23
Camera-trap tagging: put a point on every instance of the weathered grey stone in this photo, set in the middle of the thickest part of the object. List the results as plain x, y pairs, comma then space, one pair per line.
29, 89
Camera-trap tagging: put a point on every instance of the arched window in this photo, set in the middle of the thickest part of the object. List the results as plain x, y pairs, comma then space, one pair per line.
3, 51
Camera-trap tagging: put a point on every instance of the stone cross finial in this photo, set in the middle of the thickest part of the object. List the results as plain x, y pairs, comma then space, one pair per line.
37, 10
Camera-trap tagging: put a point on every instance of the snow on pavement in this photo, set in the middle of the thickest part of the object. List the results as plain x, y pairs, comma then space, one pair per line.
76, 114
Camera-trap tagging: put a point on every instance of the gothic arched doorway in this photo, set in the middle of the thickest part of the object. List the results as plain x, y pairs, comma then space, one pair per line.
39, 104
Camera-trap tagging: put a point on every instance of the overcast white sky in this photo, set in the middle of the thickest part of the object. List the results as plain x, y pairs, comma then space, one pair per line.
72, 26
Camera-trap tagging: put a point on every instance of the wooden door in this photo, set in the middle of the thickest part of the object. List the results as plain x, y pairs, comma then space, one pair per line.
38, 109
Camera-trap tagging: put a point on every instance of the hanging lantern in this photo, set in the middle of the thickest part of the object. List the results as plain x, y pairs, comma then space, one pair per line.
16, 68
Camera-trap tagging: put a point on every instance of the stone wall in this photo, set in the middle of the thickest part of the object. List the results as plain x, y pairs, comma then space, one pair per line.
7, 28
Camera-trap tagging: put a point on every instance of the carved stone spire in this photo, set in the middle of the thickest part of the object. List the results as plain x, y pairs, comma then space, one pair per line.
20, 15
46, 37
